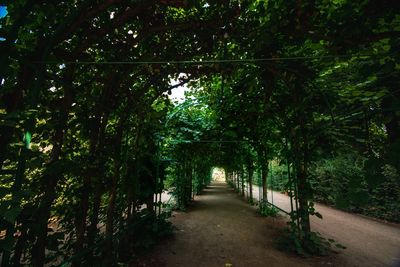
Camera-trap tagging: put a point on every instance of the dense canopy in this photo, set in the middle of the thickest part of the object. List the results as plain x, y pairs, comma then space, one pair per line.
89, 137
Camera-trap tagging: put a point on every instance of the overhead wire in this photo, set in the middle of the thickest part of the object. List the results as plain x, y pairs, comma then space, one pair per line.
208, 141
208, 61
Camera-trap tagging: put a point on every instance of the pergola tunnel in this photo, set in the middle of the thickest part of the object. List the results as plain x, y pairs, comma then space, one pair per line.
251, 176
288, 103
218, 174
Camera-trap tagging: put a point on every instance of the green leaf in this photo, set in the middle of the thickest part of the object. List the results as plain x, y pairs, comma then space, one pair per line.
342, 202
318, 215
340, 246
54, 241
6, 245
4, 191
12, 214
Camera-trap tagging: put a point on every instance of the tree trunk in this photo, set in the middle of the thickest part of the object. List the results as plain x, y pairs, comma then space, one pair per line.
250, 174
49, 182
242, 179
95, 142
98, 191
264, 174
94, 219
300, 145
263, 163
43, 216
392, 123
237, 181
80, 218
188, 183
303, 196
16, 188
85, 191
29, 82
19, 247
108, 260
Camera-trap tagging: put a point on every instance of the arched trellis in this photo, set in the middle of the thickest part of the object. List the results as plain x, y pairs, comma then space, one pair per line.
233, 179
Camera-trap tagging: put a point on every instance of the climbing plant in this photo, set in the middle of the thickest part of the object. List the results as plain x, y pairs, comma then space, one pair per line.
89, 136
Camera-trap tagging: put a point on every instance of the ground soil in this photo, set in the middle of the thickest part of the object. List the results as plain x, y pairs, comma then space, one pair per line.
368, 242
221, 229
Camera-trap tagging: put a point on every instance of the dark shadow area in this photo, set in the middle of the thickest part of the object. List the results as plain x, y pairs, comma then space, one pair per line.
217, 189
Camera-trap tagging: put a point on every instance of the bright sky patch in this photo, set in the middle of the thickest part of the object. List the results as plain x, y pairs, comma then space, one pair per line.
3, 11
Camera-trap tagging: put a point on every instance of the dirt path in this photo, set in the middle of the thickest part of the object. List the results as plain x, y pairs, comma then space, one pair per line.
368, 242
221, 229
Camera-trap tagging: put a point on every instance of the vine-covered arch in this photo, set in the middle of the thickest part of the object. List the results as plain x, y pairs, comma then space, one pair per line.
88, 134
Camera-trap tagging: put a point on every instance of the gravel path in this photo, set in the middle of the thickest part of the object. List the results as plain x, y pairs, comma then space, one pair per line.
220, 229
369, 242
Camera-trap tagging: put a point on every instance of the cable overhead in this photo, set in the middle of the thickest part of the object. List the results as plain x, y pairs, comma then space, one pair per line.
209, 141
206, 62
